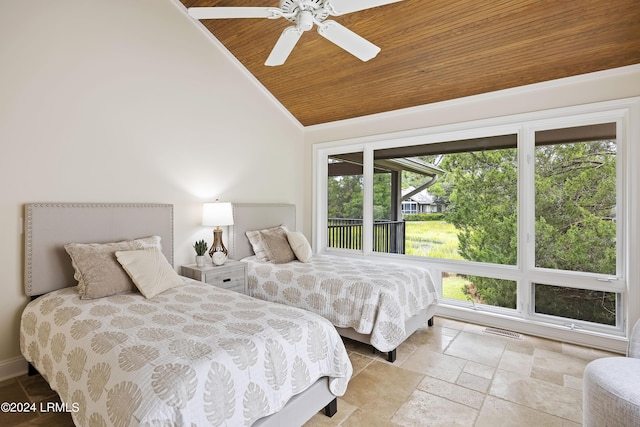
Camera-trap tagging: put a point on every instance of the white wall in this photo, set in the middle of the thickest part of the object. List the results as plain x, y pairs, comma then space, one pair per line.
127, 101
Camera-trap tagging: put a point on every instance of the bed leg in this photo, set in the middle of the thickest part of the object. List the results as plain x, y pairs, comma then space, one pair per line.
31, 371
331, 409
430, 322
391, 356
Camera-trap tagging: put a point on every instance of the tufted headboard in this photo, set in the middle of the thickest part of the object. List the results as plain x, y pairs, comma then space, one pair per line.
49, 226
256, 216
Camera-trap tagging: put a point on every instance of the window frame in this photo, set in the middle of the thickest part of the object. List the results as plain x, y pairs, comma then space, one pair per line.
617, 283
625, 113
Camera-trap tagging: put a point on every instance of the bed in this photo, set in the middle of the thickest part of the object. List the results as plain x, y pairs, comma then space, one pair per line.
192, 354
380, 303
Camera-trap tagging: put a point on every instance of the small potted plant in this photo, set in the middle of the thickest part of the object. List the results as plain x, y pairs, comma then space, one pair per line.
201, 250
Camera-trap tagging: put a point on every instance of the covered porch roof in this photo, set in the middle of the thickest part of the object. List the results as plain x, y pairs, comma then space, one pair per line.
351, 164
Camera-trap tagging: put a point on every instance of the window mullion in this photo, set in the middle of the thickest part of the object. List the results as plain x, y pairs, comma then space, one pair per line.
367, 201
526, 215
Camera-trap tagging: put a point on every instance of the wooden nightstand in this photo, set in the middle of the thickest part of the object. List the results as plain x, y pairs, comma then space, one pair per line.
232, 275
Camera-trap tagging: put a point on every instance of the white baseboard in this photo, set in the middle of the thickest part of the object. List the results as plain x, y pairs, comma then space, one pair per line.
11, 368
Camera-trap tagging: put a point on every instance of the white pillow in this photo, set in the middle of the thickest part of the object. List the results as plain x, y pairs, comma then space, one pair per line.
149, 270
300, 245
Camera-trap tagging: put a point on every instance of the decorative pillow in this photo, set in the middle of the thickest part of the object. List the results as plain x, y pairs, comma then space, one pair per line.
149, 270
300, 245
97, 270
149, 242
276, 246
257, 243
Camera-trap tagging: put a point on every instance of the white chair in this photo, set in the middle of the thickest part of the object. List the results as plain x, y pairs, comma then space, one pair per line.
611, 388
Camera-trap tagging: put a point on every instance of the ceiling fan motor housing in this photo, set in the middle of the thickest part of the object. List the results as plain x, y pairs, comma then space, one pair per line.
304, 12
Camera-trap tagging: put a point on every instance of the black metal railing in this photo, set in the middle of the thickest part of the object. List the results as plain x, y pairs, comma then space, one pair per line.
346, 233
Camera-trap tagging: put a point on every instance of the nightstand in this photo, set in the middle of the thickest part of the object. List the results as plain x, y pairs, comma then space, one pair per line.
232, 275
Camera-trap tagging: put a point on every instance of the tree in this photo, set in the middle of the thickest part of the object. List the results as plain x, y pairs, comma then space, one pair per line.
345, 196
481, 188
575, 207
575, 225
382, 196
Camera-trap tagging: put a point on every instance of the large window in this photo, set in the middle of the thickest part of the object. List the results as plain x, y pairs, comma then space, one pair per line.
526, 220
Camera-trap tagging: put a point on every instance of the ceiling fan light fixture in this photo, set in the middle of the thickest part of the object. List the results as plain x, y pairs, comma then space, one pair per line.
305, 20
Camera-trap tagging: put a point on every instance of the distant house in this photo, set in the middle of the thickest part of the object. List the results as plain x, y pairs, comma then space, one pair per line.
421, 202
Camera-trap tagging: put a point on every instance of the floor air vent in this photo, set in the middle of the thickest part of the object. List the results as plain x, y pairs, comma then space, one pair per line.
503, 333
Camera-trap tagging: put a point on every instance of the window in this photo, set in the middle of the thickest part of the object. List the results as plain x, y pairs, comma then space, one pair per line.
479, 290
526, 219
409, 207
576, 205
575, 199
344, 201
473, 183
577, 304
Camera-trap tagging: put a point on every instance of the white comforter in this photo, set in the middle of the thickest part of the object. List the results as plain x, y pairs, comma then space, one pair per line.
193, 356
372, 298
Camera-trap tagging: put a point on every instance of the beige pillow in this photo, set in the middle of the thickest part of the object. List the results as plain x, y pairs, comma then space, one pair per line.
276, 246
257, 242
300, 245
149, 270
98, 272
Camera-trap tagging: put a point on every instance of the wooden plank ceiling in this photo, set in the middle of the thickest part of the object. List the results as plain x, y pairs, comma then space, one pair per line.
432, 50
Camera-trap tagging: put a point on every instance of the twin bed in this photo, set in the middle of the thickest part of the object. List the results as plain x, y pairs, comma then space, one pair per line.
375, 303
190, 354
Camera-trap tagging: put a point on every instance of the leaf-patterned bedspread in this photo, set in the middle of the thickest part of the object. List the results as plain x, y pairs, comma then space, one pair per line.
193, 355
372, 298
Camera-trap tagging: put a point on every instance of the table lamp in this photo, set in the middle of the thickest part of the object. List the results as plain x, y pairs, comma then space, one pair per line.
215, 215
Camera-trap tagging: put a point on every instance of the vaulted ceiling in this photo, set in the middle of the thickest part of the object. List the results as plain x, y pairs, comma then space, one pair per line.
432, 50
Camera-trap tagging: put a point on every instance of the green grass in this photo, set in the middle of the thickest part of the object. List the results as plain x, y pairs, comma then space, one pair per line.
435, 239
453, 287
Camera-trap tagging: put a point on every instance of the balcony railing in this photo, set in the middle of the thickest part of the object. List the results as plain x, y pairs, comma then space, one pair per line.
346, 233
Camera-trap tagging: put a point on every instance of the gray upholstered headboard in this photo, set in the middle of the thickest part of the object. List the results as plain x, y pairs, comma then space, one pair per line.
256, 216
49, 226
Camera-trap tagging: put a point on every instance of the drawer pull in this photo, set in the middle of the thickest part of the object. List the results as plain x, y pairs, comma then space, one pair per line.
226, 280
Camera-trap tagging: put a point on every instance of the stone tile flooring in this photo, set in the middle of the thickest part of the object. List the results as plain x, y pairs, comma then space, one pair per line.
453, 374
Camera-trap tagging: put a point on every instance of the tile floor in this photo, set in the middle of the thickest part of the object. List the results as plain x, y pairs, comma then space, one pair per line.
453, 374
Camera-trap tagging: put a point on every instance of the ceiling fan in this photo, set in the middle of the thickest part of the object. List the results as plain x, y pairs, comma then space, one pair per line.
304, 14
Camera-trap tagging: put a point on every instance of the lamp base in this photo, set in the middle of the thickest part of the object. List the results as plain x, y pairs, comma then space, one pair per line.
217, 245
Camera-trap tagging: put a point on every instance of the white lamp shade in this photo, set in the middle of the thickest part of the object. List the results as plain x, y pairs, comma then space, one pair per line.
217, 214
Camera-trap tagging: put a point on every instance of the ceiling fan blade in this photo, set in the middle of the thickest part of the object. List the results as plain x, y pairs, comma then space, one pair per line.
284, 46
230, 12
342, 7
348, 40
